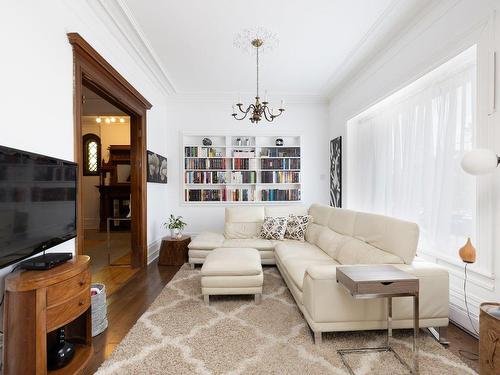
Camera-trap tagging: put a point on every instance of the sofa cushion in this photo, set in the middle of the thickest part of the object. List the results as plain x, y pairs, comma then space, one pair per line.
312, 232
273, 228
395, 236
242, 230
342, 221
330, 241
275, 211
320, 213
356, 251
206, 241
256, 243
293, 249
296, 227
296, 267
243, 222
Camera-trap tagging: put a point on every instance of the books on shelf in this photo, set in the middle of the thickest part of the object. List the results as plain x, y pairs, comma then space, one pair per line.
238, 195
200, 163
279, 177
277, 152
270, 195
200, 152
202, 195
279, 163
215, 177
248, 164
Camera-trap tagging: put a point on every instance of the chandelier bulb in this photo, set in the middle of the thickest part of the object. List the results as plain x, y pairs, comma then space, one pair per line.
98, 120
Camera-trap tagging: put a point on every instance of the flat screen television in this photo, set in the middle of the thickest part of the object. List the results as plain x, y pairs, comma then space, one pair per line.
37, 203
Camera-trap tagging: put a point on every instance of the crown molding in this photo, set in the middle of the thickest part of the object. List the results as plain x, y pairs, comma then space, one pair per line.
388, 28
122, 17
231, 97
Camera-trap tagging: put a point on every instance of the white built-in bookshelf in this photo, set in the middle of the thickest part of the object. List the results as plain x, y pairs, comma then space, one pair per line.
241, 169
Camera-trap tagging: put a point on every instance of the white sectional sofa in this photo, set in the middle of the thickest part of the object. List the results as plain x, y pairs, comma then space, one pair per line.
336, 237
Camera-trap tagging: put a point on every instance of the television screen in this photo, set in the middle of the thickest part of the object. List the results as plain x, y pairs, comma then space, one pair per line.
37, 203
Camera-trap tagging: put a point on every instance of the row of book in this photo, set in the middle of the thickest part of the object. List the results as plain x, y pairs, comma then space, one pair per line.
244, 164
246, 177
280, 177
240, 195
205, 195
217, 163
273, 152
280, 163
200, 152
272, 195
216, 195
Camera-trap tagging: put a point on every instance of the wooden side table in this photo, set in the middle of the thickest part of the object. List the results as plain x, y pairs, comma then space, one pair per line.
382, 281
174, 251
489, 338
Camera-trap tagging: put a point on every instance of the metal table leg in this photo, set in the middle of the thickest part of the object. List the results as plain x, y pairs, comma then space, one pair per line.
416, 328
389, 320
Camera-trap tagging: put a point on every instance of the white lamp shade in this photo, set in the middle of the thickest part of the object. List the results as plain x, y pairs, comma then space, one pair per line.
479, 161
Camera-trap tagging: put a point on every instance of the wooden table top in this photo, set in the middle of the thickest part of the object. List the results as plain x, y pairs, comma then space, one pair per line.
370, 281
182, 238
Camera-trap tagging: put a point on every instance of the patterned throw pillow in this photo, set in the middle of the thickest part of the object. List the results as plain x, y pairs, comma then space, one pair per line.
296, 227
273, 228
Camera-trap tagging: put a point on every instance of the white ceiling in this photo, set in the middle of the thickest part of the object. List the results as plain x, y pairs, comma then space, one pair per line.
193, 40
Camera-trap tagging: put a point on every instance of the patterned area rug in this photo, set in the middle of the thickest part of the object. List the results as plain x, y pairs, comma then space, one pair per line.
179, 334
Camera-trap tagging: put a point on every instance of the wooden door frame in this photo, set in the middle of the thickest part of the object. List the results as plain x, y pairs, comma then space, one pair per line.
93, 71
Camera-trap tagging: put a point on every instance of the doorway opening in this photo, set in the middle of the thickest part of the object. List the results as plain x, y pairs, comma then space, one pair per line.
121, 176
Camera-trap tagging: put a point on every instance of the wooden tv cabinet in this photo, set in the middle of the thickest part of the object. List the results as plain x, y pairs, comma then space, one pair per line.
39, 302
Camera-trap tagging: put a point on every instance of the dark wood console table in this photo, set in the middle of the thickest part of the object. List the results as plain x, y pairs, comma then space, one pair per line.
37, 303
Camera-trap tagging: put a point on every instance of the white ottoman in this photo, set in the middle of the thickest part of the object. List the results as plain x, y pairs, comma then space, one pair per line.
232, 271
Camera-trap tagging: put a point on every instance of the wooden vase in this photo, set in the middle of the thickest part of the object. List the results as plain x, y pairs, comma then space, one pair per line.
467, 252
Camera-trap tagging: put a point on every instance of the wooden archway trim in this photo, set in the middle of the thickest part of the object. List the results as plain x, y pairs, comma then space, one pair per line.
93, 71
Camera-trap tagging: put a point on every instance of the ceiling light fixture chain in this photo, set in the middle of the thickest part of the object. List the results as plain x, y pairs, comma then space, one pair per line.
259, 109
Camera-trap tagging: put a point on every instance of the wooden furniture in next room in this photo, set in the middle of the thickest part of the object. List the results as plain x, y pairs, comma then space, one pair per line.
381, 281
173, 251
114, 188
489, 338
37, 303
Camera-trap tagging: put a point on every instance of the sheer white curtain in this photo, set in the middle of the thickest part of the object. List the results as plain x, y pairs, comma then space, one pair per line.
404, 156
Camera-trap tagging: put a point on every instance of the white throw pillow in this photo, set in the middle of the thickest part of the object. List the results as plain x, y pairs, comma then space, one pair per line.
273, 228
296, 227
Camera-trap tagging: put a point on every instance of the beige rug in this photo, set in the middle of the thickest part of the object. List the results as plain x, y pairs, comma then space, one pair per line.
178, 334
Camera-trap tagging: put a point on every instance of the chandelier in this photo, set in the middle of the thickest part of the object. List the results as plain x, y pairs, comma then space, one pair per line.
257, 110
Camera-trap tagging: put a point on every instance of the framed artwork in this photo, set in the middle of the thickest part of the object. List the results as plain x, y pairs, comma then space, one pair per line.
336, 172
157, 168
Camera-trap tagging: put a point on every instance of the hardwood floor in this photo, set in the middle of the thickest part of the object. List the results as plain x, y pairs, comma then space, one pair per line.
128, 303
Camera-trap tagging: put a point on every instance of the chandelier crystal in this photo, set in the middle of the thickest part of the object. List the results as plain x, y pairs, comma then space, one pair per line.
257, 110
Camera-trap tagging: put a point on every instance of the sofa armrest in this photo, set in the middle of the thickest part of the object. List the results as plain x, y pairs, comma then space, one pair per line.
206, 241
322, 272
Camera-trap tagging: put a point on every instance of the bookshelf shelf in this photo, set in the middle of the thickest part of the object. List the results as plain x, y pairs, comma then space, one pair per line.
240, 169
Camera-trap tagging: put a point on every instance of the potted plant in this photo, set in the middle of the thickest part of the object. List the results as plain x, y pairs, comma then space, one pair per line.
176, 225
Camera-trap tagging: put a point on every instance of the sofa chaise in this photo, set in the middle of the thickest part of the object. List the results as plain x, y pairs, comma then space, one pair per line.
337, 237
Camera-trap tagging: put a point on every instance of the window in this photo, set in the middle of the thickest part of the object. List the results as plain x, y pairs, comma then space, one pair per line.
91, 155
404, 156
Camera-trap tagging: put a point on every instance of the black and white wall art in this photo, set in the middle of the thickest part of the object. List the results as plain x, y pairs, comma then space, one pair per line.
336, 172
157, 168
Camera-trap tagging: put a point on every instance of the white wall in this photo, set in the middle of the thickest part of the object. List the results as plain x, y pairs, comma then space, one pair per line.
309, 120
36, 75
442, 31
110, 134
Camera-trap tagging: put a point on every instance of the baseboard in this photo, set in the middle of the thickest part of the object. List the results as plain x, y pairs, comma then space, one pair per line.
153, 250
459, 317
